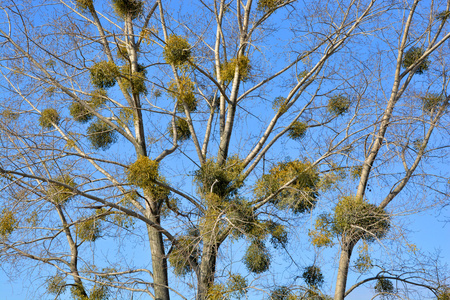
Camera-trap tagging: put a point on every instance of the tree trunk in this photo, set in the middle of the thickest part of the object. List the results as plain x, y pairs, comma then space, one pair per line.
73, 255
207, 271
344, 263
159, 261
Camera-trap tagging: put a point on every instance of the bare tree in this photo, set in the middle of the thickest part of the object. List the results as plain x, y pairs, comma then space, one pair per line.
168, 125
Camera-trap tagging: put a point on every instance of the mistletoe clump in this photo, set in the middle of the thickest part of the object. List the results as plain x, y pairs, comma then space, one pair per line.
101, 135
78, 292
266, 5
279, 235
235, 288
8, 114
299, 195
144, 174
60, 194
217, 292
182, 130
443, 293
315, 294
122, 52
177, 50
257, 257
356, 171
237, 285
56, 284
443, 15
88, 230
313, 276
282, 293
355, 216
338, 104
183, 92
49, 117
363, 263
98, 98
431, 101
104, 74
228, 69
135, 81
126, 115
384, 285
222, 180
80, 112
84, 5
184, 253
322, 234
412, 56
99, 292
8, 222
241, 217
280, 104
133, 8
297, 130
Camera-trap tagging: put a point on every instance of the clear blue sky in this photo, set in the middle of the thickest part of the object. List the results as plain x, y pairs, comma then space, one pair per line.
427, 230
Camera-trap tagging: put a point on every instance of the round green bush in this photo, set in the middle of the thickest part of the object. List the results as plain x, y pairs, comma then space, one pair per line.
354, 216
128, 7
412, 56
104, 74
56, 284
177, 50
297, 130
49, 117
98, 98
302, 193
79, 112
101, 135
338, 105
135, 82
228, 69
182, 128
61, 194
257, 257
182, 253
266, 5
183, 92
84, 5
384, 285
313, 276
88, 230
282, 293
431, 101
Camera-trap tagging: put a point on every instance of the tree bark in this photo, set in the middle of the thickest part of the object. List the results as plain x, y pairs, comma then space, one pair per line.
73, 265
207, 271
159, 261
344, 264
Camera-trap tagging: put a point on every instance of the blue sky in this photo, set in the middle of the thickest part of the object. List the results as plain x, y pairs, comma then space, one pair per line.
427, 230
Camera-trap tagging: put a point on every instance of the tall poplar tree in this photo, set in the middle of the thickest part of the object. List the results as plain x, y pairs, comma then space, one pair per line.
140, 140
